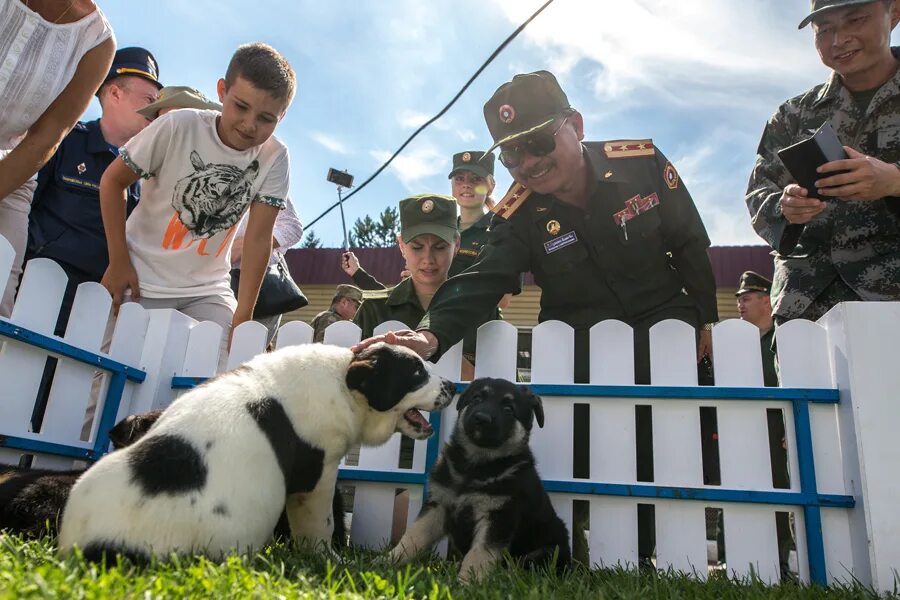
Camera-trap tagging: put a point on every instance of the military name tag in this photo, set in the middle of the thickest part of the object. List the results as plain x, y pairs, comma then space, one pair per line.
81, 182
468, 252
560, 242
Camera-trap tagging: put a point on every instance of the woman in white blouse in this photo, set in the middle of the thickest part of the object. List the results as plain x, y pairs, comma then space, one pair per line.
54, 54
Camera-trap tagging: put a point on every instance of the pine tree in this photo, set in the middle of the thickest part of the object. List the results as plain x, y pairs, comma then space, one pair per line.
311, 241
368, 233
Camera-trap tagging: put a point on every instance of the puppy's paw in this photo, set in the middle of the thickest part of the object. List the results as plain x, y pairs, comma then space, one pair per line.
398, 556
470, 575
476, 564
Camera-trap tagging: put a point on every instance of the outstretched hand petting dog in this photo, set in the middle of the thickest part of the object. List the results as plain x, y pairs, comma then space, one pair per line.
423, 343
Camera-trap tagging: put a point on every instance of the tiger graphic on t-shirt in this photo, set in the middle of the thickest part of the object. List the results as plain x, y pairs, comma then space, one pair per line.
214, 196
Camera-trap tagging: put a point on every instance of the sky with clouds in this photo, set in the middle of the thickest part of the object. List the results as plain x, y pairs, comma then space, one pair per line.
700, 77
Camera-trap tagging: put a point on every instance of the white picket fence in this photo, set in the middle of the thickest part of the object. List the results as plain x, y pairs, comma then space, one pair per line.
842, 455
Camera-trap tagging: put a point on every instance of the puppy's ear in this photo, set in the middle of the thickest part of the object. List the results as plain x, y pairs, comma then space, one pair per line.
465, 398
377, 383
537, 406
359, 374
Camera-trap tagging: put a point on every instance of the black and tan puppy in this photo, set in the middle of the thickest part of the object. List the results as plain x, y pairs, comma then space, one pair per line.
32, 500
484, 490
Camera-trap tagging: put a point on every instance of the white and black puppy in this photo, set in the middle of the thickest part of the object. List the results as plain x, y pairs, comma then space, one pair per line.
484, 491
215, 472
32, 500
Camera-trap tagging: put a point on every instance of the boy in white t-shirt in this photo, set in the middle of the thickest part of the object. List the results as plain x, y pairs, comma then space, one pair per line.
203, 170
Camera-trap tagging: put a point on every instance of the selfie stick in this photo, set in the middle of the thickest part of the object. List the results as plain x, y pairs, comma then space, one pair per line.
341, 179
343, 220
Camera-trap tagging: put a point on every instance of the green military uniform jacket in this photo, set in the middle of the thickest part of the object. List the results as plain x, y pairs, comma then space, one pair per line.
398, 303
321, 322
365, 281
854, 240
588, 266
471, 241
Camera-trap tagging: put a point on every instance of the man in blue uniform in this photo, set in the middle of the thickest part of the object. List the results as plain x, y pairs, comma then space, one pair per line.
65, 223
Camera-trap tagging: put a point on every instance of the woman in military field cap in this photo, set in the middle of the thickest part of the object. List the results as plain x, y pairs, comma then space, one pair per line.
472, 183
428, 240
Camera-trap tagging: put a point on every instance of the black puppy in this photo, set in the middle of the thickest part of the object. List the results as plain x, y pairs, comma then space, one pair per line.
32, 500
484, 490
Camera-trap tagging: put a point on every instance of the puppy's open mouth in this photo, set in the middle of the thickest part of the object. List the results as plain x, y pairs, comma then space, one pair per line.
417, 420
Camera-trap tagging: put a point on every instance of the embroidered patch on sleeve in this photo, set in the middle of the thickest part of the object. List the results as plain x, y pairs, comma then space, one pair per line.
671, 176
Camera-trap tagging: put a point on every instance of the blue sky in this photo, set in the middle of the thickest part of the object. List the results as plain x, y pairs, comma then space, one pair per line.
700, 77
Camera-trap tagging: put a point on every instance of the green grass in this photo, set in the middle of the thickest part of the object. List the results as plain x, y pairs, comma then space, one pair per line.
31, 569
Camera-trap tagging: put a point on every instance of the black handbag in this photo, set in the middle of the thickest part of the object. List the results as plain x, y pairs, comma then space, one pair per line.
278, 294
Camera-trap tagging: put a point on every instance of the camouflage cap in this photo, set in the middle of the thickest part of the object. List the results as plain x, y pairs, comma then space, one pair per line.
351, 292
524, 105
178, 96
475, 161
753, 282
428, 213
817, 7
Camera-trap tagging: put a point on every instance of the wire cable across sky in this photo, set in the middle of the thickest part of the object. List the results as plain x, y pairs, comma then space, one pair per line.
422, 128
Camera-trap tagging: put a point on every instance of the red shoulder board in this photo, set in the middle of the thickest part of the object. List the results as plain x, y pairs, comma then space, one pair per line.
511, 202
628, 148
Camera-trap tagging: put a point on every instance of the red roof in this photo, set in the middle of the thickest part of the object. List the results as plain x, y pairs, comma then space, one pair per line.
323, 265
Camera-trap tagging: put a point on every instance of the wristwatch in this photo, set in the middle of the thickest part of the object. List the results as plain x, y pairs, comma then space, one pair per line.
708, 326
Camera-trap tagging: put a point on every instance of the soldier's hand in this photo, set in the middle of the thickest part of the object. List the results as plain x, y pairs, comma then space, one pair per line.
423, 343
797, 207
349, 263
117, 280
866, 178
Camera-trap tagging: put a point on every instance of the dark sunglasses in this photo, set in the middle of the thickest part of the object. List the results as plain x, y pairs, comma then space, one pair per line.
540, 143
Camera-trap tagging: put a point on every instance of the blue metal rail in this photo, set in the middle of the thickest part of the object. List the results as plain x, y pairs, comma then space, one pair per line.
119, 374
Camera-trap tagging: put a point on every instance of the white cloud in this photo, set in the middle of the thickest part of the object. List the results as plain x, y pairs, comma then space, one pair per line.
466, 135
411, 119
330, 142
413, 166
688, 52
718, 186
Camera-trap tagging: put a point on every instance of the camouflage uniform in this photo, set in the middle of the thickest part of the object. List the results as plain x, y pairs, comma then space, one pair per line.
851, 251
321, 322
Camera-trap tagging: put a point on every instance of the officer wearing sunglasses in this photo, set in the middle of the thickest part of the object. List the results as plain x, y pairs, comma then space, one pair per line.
607, 228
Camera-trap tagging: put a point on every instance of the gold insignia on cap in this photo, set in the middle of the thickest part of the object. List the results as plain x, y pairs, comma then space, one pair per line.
553, 227
608, 174
507, 114
81, 168
466, 157
427, 206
